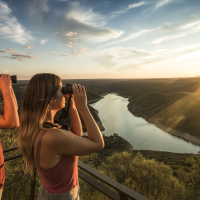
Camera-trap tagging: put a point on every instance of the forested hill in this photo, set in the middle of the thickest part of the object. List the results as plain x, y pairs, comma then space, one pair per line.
174, 102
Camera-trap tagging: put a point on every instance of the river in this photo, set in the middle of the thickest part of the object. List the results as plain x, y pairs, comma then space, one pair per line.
116, 118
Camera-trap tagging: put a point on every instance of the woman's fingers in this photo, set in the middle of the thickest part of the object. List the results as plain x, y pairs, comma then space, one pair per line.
84, 92
80, 89
75, 89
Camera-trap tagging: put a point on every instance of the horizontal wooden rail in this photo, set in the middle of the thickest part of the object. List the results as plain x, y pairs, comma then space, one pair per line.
99, 186
123, 190
10, 149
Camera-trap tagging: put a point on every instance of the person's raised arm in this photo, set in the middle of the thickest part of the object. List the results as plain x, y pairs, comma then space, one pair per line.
14, 98
76, 126
61, 142
10, 118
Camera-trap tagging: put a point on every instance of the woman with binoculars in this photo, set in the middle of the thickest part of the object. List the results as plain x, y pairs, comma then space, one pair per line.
55, 151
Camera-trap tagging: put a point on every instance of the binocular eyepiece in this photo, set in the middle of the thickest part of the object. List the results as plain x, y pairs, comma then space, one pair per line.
68, 89
13, 78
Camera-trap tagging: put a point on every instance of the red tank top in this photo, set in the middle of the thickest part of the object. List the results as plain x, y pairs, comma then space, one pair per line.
2, 172
61, 178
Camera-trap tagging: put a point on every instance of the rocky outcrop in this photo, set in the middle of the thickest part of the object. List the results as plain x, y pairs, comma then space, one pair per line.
116, 142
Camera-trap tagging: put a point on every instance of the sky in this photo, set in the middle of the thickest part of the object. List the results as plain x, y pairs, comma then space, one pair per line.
88, 39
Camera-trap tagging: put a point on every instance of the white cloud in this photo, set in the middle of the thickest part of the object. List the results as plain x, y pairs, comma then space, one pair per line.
178, 32
11, 50
175, 31
162, 3
131, 6
85, 15
135, 5
70, 45
70, 33
161, 58
53, 52
28, 46
130, 37
44, 41
10, 27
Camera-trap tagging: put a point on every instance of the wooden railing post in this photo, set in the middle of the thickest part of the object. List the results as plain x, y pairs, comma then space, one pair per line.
32, 186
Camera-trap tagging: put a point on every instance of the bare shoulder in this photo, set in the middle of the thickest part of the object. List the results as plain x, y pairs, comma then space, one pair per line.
56, 137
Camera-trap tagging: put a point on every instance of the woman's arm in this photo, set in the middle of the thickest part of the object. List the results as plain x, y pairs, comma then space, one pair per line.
76, 126
14, 98
2, 104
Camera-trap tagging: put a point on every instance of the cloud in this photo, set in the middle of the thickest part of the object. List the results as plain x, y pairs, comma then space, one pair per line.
55, 33
130, 6
162, 3
1, 51
177, 32
70, 33
44, 41
10, 27
20, 57
85, 15
71, 45
81, 24
28, 46
108, 61
114, 56
184, 28
84, 50
64, 55
162, 57
11, 50
38, 10
135, 5
53, 52
130, 37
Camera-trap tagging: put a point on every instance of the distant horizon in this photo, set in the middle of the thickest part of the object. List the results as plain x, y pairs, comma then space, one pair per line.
117, 78
130, 39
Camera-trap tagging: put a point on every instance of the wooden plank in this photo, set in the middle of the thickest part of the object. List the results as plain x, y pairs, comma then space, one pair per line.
114, 184
10, 149
99, 186
13, 157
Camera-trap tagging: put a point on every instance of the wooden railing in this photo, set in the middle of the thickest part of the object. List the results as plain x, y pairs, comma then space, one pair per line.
124, 193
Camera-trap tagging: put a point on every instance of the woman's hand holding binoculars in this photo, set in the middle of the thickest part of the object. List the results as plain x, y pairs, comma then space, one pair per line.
79, 97
5, 82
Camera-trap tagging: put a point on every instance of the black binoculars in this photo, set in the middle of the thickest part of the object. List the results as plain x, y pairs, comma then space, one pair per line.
67, 89
13, 78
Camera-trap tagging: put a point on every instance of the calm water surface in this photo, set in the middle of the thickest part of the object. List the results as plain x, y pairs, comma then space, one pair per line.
116, 118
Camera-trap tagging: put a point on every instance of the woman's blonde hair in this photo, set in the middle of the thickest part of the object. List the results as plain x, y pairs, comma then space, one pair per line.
40, 90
